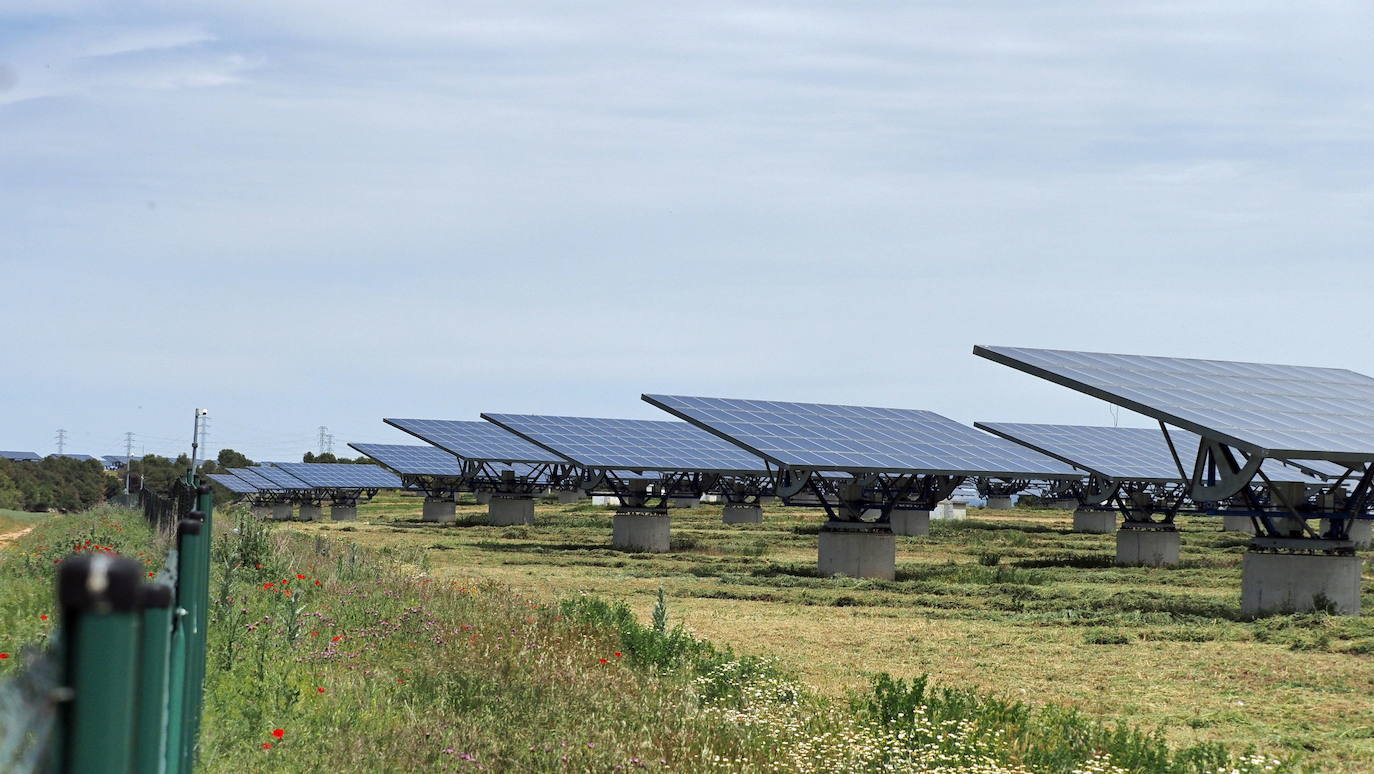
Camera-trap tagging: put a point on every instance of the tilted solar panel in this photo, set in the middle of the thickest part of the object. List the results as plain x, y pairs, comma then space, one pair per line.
860, 439
1121, 453
251, 476
412, 460
281, 478
234, 483
632, 444
20, 456
342, 475
77, 457
1292, 412
474, 440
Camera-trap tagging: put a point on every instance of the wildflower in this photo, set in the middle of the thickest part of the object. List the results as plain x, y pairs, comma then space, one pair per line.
278, 733
257, 566
300, 577
336, 638
268, 585
317, 583
314, 634
43, 617
604, 661
4, 655
319, 690
617, 654
266, 745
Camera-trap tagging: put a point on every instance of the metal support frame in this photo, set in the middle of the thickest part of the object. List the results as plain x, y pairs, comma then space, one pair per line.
847, 500
991, 486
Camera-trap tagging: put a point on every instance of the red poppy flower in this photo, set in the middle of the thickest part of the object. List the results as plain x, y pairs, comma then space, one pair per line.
617, 654
300, 577
43, 617
257, 567
150, 575
317, 583
399, 680
278, 733
336, 638
312, 634
4, 655
319, 690
604, 661
266, 745
268, 585
287, 592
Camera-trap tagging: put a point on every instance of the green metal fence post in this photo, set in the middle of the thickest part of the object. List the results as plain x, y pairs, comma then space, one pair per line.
150, 755
193, 595
178, 684
99, 597
205, 505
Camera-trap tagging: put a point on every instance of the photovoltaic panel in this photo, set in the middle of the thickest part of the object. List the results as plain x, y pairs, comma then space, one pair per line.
115, 459
412, 460
1291, 412
1121, 453
632, 444
234, 483
474, 440
281, 478
20, 456
824, 436
77, 457
251, 476
342, 475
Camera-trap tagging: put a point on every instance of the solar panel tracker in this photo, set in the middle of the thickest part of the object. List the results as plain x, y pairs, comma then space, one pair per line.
342, 475
634, 444
474, 440
280, 478
412, 460
1121, 453
1292, 412
251, 476
20, 456
860, 438
234, 483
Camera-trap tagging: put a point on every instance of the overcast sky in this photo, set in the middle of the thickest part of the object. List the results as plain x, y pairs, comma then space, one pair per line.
305, 214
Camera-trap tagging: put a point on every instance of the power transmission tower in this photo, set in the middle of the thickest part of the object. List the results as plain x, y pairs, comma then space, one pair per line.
61, 441
329, 443
128, 459
324, 436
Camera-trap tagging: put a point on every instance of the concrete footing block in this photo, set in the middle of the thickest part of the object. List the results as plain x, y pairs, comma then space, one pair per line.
261, 512
509, 511
1094, 521
999, 503
1294, 583
949, 510
742, 513
1147, 547
570, 496
343, 512
310, 513
910, 522
482, 498
439, 511
1246, 525
281, 512
1360, 531
647, 533
858, 553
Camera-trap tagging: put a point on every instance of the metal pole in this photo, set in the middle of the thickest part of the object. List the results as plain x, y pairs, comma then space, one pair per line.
151, 751
99, 594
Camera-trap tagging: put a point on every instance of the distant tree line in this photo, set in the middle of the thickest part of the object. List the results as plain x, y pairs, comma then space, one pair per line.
329, 457
54, 483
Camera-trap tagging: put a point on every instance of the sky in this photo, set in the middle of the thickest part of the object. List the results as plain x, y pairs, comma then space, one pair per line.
298, 214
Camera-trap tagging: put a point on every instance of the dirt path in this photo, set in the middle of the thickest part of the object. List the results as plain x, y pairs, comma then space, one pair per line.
10, 537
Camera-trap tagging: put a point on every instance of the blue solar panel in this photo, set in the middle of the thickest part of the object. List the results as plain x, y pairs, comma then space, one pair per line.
20, 456
281, 478
860, 439
474, 440
1292, 412
251, 476
77, 457
341, 475
632, 444
1121, 453
412, 460
234, 483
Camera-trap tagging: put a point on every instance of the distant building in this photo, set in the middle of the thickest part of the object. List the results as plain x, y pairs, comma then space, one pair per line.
20, 456
77, 457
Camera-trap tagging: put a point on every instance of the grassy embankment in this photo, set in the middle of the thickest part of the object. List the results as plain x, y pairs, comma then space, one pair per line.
364, 662
1007, 603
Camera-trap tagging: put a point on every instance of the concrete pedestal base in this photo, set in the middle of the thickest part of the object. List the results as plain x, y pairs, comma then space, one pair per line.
310, 513
261, 512
605, 500
742, 513
1284, 583
999, 503
1360, 531
1094, 521
910, 522
343, 512
482, 498
858, 554
1286, 524
570, 496
281, 512
949, 510
438, 511
713, 499
641, 532
507, 511
1147, 547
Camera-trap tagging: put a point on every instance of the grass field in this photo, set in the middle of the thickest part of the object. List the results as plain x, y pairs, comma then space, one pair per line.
1010, 603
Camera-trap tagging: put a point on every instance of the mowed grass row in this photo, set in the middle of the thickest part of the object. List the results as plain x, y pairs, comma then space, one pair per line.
325, 657
1008, 603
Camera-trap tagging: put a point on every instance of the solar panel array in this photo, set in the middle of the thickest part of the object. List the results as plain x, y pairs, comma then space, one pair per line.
1122, 453
77, 457
341, 475
281, 478
1293, 412
234, 483
256, 479
115, 459
412, 460
632, 444
20, 456
474, 440
860, 438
